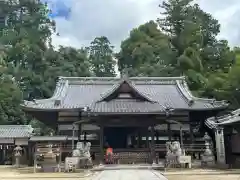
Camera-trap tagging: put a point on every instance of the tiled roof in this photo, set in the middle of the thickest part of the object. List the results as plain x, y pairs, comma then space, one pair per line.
81, 92
126, 106
15, 131
215, 122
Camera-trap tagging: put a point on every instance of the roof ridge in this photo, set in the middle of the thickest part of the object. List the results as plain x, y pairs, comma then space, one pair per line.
119, 78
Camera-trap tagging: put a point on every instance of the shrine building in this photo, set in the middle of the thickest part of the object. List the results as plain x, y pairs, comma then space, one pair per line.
130, 114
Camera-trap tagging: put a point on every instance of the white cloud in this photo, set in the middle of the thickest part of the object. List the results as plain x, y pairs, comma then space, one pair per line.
115, 19
227, 13
111, 18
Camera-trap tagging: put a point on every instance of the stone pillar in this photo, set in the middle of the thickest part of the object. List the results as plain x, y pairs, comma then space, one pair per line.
220, 147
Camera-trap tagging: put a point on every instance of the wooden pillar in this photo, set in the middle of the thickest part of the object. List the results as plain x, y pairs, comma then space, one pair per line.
181, 137
101, 144
169, 132
138, 140
79, 131
153, 154
4, 154
191, 133
73, 136
29, 154
79, 125
147, 138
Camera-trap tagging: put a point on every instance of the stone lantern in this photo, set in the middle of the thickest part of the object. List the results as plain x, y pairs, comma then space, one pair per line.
17, 154
207, 138
208, 157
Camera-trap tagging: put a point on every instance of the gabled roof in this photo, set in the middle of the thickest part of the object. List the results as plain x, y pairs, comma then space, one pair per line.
160, 93
132, 89
228, 119
15, 131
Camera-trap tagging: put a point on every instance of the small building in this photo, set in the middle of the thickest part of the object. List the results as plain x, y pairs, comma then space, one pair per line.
136, 114
12, 136
227, 131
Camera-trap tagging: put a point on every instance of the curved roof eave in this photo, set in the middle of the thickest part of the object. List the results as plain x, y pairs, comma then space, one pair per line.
30, 108
201, 109
52, 110
225, 120
183, 88
58, 94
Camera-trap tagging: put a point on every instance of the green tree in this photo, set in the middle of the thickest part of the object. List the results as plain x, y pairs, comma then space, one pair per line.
147, 51
67, 61
10, 99
183, 43
188, 26
232, 81
25, 37
28, 31
101, 57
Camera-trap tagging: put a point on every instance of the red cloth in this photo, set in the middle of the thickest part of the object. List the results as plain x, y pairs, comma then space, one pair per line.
109, 155
109, 151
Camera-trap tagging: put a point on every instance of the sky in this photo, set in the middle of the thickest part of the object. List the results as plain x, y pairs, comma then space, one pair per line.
80, 21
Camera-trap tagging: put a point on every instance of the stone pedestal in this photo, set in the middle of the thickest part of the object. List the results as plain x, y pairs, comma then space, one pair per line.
208, 160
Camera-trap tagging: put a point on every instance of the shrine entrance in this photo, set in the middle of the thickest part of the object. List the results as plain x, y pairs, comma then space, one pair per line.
117, 137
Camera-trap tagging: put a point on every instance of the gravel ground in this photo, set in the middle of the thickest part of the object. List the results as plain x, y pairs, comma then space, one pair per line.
204, 177
170, 177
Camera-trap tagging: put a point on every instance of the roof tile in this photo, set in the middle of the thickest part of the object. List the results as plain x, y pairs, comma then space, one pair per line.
80, 92
15, 131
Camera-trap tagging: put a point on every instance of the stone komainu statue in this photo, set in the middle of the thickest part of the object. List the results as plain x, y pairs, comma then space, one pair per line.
81, 155
82, 150
174, 152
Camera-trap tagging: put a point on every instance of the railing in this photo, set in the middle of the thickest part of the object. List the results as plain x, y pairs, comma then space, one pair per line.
44, 149
68, 148
186, 147
158, 148
128, 157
